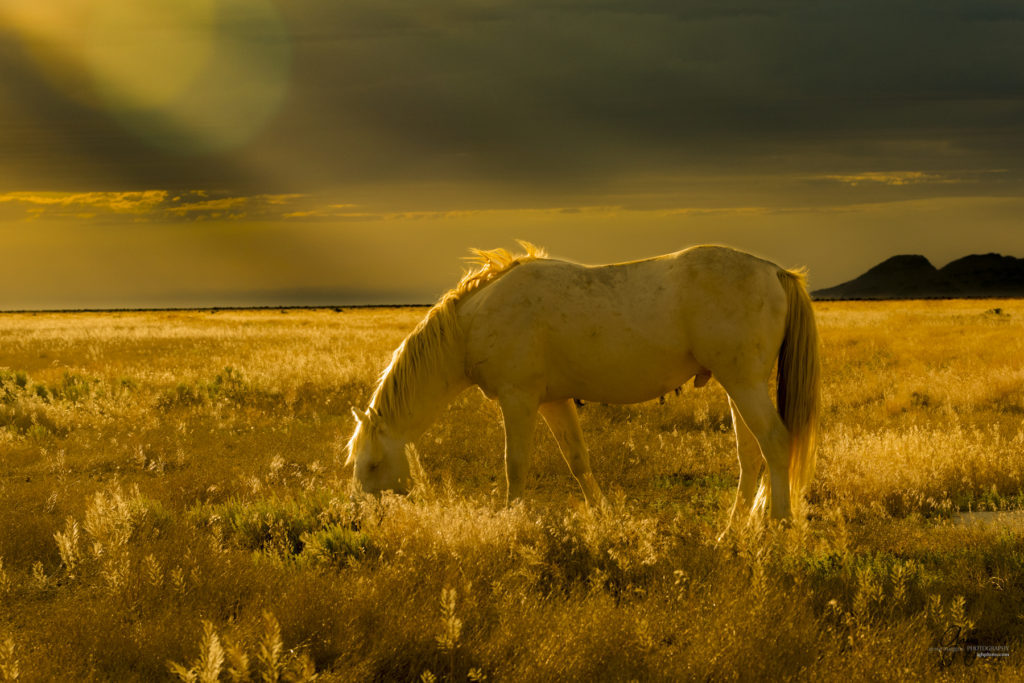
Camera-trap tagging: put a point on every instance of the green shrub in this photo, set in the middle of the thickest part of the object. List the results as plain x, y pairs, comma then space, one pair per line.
338, 545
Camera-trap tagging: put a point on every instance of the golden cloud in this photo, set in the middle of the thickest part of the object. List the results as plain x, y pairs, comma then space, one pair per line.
147, 204
63, 202
890, 178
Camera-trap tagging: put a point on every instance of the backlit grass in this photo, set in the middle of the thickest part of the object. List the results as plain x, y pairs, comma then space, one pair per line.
174, 507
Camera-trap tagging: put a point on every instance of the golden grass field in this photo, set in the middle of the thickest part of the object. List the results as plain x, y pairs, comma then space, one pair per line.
174, 505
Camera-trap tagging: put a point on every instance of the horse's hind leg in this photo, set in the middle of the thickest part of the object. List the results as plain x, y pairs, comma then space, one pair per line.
519, 418
564, 424
751, 463
762, 419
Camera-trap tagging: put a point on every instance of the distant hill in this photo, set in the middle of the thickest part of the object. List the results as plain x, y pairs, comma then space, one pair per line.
912, 276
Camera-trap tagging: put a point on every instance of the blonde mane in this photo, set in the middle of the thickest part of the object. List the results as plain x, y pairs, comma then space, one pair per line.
424, 348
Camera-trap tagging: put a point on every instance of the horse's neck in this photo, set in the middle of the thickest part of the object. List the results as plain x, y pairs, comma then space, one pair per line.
431, 389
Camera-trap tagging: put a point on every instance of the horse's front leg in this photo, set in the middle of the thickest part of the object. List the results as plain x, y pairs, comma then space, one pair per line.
565, 427
519, 416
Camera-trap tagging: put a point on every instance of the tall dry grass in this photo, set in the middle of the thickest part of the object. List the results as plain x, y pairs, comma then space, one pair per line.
175, 508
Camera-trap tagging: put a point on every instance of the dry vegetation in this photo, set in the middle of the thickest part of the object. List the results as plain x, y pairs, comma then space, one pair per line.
174, 506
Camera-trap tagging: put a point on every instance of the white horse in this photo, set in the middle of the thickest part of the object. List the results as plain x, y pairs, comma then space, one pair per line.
536, 333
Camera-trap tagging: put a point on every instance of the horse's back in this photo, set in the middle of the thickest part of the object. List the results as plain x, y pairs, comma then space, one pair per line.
620, 332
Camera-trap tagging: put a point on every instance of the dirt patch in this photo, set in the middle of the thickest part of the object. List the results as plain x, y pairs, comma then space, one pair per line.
1012, 519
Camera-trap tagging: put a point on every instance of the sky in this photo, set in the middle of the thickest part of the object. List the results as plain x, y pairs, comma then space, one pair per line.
332, 152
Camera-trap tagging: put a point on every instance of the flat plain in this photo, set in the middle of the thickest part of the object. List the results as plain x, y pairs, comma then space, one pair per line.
174, 505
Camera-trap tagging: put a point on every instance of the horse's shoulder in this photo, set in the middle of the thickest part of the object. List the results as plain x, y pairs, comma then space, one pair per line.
540, 269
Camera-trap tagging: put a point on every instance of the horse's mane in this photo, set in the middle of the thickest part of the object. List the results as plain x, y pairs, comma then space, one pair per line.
424, 348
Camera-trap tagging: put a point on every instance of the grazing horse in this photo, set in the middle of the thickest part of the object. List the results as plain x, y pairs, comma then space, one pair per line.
535, 333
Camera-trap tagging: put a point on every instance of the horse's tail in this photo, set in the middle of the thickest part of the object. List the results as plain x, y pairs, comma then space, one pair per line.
798, 394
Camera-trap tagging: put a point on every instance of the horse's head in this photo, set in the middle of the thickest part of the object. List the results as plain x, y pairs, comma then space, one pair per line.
378, 455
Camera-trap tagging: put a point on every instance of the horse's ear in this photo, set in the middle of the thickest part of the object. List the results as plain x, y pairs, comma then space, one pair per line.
361, 417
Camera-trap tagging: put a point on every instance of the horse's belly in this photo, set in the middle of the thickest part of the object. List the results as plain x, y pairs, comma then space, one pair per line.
640, 380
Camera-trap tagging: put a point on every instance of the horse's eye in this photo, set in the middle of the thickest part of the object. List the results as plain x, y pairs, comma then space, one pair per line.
372, 467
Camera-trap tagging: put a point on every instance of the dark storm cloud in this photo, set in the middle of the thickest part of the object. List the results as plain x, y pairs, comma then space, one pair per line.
589, 91
578, 94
